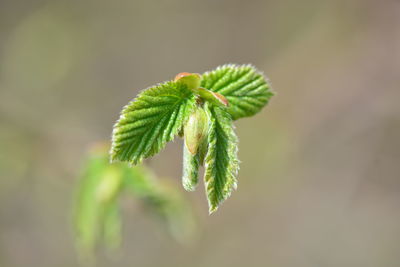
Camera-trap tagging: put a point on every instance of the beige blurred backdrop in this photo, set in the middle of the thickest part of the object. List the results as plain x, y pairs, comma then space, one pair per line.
319, 183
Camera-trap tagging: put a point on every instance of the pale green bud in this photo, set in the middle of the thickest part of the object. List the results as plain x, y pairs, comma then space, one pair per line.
192, 80
196, 130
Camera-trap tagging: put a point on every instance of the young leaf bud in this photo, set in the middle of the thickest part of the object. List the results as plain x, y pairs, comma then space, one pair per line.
192, 80
195, 130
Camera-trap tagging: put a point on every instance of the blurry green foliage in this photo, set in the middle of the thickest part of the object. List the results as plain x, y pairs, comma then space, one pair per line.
97, 215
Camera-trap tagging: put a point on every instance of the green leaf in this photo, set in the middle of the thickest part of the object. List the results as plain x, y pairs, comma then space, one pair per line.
150, 121
112, 225
92, 200
245, 88
221, 162
190, 169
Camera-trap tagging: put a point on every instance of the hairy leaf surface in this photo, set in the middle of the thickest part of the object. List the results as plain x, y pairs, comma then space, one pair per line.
221, 162
150, 121
191, 165
245, 88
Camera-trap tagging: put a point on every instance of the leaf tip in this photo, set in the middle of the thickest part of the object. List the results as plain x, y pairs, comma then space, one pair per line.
213, 208
189, 187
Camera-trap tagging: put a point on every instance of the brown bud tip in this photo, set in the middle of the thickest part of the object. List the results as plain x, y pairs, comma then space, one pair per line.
184, 74
221, 98
181, 75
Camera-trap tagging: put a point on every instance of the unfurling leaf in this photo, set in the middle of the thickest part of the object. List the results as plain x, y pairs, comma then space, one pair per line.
245, 88
150, 121
191, 165
221, 162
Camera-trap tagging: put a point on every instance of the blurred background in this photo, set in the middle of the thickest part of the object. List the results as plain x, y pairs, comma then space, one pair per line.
319, 183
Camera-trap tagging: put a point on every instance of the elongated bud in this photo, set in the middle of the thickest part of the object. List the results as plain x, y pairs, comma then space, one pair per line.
192, 80
195, 130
